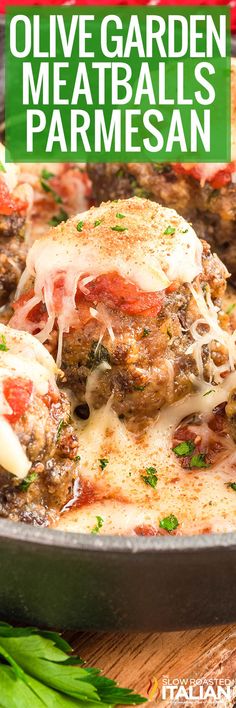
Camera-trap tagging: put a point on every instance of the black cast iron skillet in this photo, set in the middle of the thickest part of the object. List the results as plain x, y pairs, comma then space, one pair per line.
52, 578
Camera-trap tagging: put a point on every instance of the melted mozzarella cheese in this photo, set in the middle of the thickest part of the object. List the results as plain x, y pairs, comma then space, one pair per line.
150, 246
9, 172
26, 358
12, 456
215, 334
145, 243
199, 498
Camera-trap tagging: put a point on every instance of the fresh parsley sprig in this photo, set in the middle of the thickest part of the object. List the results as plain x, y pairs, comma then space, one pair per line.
38, 671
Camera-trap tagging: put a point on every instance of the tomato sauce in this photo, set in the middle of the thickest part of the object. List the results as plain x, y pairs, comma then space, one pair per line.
17, 392
8, 203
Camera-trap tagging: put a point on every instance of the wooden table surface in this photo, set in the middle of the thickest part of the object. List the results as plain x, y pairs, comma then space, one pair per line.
136, 659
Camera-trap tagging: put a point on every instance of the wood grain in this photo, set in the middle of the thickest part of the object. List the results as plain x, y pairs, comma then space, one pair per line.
135, 659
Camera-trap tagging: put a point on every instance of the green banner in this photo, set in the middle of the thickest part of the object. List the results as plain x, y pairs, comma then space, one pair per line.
122, 84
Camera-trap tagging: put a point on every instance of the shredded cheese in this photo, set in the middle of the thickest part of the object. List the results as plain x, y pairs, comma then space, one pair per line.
22, 357
153, 247
209, 316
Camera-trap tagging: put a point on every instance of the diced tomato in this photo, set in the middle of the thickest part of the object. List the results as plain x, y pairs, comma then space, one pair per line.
17, 392
217, 175
222, 178
110, 289
38, 312
8, 203
23, 299
114, 291
59, 293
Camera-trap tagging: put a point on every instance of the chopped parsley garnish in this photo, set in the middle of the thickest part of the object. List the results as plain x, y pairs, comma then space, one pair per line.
146, 332
184, 231
118, 228
59, 429
103, 462
169, 523
230, 308
2, 168
120, 216
80, 226
141, 193
139, 388
120, 173
211, 390
169, 231
3, 344
58, 218
45, 176
184, 448
199, 461
97, 354
231, 485
150, 477
25, 484
97, 222
214, 193
40, 669
77, 458
98, 525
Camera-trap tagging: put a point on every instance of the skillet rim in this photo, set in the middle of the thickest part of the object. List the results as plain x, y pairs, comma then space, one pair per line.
66, 540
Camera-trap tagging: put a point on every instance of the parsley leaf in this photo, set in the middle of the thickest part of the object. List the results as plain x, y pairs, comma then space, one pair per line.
103, 462
59, 429
199, 461
118, 228
151, 477
98, 525
97, 354
80, 226
230, 308
47, 187
231, 485
45, 174
3, 344
77, 458
184, 448
211, 390
146, 332
37, 671
169, 523
25, 484
120, 216
2, 167
97, 222
170, 230
58, 218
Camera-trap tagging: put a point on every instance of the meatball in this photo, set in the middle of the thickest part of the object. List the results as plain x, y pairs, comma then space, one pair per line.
15, 201
204, 194
38, 444
211, 210
129, 298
